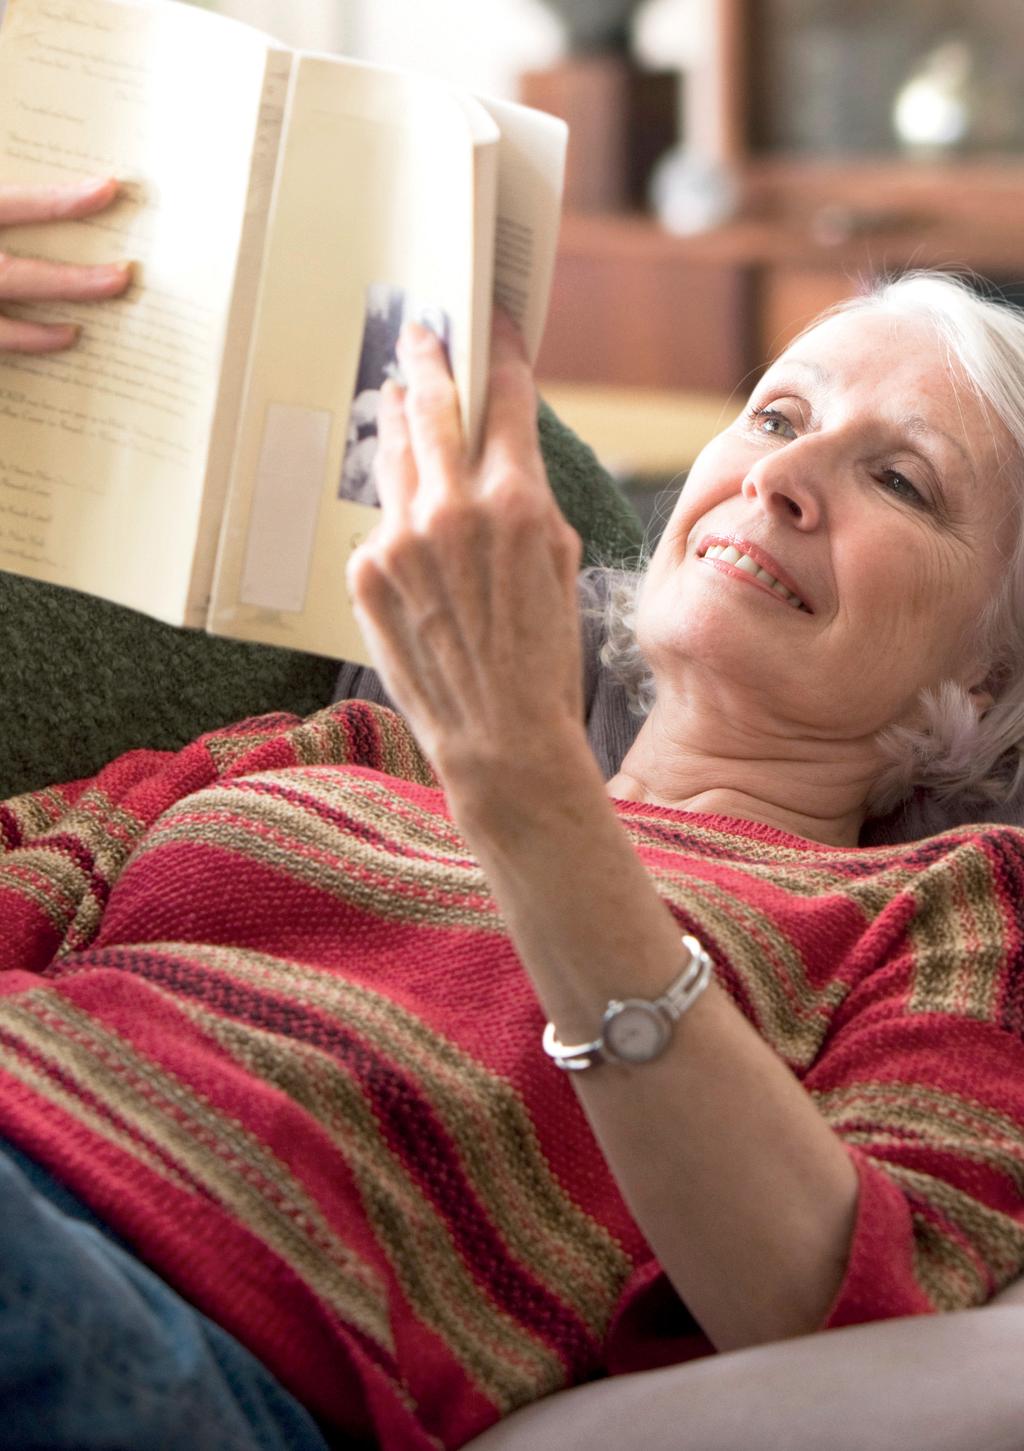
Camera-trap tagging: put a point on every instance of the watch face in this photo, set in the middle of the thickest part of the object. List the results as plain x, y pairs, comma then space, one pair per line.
635, 1031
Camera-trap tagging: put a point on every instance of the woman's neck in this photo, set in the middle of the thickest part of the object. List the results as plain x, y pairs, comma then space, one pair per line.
695, 761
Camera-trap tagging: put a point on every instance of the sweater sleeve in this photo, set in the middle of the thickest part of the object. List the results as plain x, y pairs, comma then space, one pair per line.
923, 1080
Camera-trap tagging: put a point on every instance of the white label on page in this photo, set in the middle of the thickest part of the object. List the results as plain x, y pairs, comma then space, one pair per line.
286, 499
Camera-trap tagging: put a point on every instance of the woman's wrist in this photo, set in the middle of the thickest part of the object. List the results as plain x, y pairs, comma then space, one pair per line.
520, 792
584, 915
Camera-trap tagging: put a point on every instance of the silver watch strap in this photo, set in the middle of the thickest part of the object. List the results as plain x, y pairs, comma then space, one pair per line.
680, 995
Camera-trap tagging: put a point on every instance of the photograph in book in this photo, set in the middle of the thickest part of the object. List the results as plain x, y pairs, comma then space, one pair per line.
387, 309
198, 454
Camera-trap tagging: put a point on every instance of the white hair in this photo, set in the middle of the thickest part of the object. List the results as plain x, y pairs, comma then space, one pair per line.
953, 756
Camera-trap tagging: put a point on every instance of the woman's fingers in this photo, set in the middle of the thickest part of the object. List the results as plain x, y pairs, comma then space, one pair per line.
21, 204
433, 421
35, 337
471, 571
512, 469
30, 279
417, 581
33, 279
510, 436
414, 638
394, 468
432, 416
402, 549
383, 616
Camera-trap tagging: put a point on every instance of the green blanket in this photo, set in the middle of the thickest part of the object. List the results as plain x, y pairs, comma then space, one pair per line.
82, 680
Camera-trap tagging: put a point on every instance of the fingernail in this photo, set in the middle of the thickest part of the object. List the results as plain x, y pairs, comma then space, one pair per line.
104, 273
91, 184
417, 337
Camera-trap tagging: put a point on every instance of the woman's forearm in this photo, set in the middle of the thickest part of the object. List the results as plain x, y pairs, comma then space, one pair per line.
746, 1195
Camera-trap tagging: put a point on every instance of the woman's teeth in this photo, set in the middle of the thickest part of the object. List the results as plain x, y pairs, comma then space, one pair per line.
729, 554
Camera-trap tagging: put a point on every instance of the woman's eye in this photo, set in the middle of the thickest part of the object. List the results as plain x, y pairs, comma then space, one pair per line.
770, 420
901, 486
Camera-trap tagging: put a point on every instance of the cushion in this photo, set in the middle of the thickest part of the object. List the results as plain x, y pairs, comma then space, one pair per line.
82, 680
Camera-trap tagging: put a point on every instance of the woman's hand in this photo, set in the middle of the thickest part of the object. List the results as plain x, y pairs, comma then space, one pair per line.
466, 591
31, 279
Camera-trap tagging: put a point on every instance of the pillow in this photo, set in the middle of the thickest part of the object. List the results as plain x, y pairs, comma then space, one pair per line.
82, 680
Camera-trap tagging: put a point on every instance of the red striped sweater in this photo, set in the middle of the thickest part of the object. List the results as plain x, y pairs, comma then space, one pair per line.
258, 1010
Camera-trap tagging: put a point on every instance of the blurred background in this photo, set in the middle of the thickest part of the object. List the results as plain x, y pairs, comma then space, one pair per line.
734, 166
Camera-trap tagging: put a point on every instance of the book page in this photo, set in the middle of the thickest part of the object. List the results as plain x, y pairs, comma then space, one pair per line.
473, 398
531, 171
103, 448
373, 221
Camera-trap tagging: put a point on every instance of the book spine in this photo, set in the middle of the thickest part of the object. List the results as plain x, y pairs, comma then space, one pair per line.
238, 332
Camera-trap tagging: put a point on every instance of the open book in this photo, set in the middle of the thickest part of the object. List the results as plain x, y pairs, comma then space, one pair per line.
203, 454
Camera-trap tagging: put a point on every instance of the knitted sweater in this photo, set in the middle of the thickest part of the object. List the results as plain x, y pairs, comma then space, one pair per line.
258, 1010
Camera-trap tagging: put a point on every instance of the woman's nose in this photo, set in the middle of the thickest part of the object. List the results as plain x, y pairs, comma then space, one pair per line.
784, 489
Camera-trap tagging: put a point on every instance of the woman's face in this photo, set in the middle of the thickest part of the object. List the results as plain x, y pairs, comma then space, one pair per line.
864, 479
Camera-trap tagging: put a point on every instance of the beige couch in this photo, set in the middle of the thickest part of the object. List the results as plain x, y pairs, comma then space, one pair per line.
931, 1383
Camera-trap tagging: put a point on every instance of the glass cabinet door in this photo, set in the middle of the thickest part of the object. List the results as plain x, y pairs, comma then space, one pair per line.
885, 78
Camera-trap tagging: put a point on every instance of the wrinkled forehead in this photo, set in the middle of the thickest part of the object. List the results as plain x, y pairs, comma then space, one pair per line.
902, 364
843, 344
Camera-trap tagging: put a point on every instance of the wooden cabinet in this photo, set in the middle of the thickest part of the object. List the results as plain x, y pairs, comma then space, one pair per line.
630, 307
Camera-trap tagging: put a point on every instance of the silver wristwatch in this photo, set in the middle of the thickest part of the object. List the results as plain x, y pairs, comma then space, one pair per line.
636, 1030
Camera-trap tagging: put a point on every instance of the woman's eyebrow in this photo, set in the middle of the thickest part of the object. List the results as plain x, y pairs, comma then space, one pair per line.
915, 424
778, 374
821, 375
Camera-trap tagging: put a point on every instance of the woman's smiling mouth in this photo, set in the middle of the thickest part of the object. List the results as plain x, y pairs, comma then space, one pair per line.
749, 563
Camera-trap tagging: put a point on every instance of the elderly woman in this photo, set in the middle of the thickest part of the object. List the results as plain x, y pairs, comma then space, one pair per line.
440, 1072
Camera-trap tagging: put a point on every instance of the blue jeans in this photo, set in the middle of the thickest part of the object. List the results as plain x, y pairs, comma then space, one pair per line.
97, 1352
